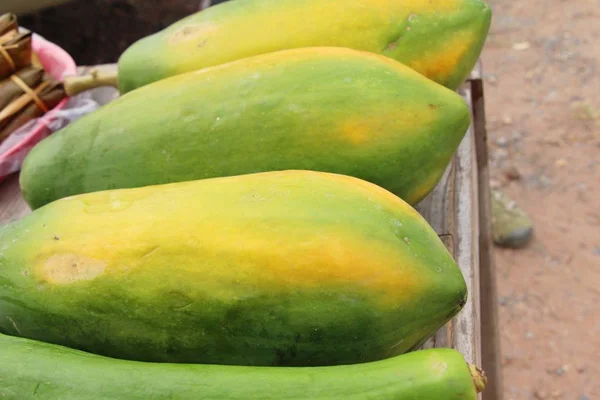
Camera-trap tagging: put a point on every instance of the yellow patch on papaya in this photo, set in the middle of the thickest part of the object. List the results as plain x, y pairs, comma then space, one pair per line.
440, 63
237, 231
357, 131
371, 126
225, 254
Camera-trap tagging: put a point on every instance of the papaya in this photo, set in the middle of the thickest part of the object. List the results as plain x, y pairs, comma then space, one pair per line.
31, 370
283, 268
441, 39
325, 109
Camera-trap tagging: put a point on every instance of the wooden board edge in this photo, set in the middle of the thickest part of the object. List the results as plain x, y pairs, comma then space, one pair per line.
490, 331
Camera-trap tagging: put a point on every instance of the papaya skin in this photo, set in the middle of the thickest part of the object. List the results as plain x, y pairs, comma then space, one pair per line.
324, 109
32, 370
441, 39
279, 268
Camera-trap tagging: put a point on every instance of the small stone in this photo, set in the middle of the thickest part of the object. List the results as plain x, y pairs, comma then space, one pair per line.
521, 46
584, 397
557, 393
545, 181
597, 251
560, 371
561, 163
516, 136
540, 394
530, 335
512, 173
512, 227
507, 119
502, 141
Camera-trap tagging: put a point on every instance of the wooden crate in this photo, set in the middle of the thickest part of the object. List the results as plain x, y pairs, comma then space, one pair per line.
459, 211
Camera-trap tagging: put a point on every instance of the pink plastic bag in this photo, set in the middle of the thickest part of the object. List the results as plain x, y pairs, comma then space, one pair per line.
13, 150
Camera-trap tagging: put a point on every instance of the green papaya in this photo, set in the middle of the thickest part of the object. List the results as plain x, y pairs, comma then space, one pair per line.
441, 39
325, 109
31, 370
290, 268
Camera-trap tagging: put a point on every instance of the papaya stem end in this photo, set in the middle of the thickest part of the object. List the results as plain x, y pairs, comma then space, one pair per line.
479, 378
77, 84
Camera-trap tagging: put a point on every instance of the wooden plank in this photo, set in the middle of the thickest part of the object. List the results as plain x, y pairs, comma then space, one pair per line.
452, 211
467, 326
490, 346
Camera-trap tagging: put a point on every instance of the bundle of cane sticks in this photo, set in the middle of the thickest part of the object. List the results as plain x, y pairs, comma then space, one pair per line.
26, 90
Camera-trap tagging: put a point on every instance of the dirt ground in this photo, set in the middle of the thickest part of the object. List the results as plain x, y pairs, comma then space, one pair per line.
543, 106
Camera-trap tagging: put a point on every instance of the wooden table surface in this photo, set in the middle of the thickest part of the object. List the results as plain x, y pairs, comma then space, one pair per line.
453, 211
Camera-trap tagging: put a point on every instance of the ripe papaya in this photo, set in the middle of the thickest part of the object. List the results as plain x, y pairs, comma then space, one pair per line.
325, 109
441, 39
36, 370
292, 268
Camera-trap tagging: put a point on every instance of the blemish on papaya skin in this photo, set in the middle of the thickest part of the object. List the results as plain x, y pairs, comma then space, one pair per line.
14, 324
36, 388
393, 44
65, 268
357, 131
412, 17
193, 32
150, 252
439, 368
